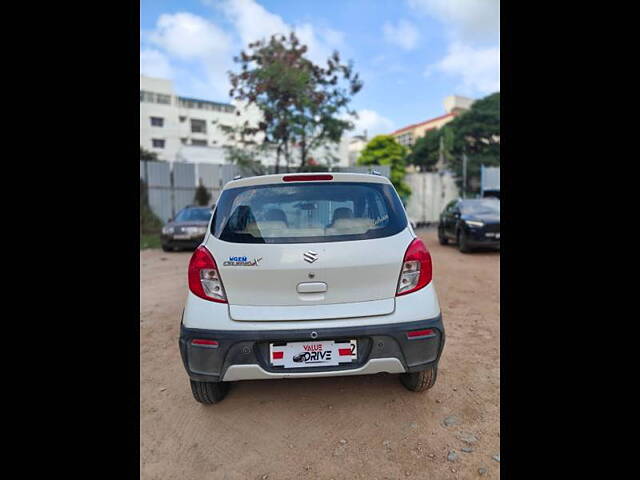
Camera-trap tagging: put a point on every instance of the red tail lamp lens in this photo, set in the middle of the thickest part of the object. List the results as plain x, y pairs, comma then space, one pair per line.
417, 270
204, 278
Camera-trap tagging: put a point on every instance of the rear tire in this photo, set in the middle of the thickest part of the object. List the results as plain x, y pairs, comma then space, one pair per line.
420, 381
441, 238
209, 392
166, 248
463, 246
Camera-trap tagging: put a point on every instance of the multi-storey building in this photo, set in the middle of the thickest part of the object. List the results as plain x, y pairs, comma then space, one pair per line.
357, 143
453, 104
187, 129
168, 121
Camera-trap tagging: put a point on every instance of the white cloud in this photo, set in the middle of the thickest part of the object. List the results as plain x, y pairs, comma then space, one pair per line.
189, 36
197, 53
372, 122
253, 22
468, 20
154, 63
478, 68
404, 34
473, 54
185, 37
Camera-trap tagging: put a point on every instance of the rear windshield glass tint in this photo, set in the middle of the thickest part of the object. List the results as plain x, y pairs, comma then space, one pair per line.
308, 213
194, 215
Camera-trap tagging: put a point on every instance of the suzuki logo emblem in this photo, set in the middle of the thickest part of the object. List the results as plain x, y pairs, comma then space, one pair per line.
310, 256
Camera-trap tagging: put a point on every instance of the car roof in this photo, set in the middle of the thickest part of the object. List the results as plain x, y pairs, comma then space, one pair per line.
278, 179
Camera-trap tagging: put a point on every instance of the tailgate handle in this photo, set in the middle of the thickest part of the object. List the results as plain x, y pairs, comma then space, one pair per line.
311, 287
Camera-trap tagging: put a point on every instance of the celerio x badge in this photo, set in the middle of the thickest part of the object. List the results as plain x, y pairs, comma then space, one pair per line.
310, 256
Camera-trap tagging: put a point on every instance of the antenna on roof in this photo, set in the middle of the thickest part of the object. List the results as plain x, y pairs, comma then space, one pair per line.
237, 177
374, 172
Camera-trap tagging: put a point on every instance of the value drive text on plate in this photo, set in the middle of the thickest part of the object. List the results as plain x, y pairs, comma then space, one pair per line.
312, 354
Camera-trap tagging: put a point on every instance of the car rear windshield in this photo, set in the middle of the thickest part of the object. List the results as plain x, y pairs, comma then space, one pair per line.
308, 213
194, 215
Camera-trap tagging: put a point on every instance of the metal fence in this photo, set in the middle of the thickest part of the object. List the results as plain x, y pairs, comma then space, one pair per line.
172, 186
489, 179
430, 193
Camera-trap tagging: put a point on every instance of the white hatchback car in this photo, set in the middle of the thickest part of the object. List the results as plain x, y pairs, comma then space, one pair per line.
309, 275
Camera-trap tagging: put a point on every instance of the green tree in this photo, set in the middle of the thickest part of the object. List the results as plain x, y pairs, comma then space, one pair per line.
476, 133
149, 222
303, 105
244, 153
385, 150
202, 196
147, 155
246, 159
425, 152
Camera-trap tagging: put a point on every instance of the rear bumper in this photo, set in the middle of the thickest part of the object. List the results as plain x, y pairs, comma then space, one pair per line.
169, 241
479, 238
244, 355
484, 243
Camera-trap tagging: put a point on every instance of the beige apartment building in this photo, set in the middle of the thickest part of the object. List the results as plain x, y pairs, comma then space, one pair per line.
453, 105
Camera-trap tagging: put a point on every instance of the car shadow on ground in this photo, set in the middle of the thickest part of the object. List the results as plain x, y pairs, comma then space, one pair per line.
291, 392
340, 404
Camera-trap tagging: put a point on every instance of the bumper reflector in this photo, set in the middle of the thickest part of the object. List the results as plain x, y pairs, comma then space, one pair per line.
420, 333
204, 341
277, 355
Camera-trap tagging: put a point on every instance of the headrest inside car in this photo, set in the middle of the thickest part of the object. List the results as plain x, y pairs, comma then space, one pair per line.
276, 215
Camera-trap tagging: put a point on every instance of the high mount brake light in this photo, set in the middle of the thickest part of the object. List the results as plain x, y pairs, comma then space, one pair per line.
417, 270
204, 278
306, 178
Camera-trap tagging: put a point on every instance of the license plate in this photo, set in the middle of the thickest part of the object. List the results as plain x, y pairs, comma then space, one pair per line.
324, 353
182, 237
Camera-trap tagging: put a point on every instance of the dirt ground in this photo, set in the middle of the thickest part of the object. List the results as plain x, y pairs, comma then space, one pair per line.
328, 428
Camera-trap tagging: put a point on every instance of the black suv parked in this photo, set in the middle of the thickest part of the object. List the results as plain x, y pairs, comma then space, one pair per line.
471, 223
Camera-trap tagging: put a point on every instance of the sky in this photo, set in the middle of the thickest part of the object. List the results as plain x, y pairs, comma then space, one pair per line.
410, 53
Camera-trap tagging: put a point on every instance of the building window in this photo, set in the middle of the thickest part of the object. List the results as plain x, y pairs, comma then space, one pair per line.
157, 122
405, 139
151, 97
146, 96
157, 143
198, 126
199, 143
204, 105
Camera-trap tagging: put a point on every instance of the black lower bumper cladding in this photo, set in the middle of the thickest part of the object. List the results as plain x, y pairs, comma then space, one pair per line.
241, 347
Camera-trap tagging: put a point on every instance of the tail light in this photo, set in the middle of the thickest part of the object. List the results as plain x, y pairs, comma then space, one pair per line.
204, 278
416, 268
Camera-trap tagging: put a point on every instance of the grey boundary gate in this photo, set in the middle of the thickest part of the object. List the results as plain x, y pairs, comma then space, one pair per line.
172, 185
